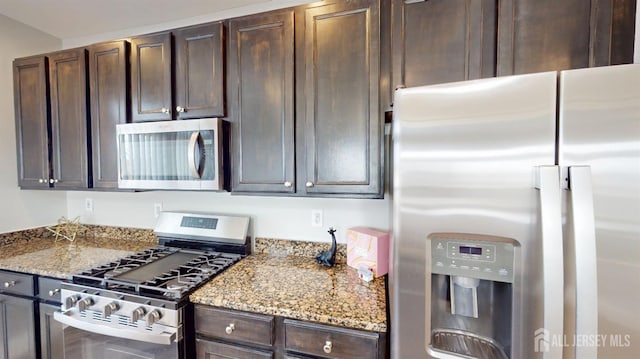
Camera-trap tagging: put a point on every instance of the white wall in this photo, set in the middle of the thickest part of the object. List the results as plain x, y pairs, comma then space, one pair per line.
272, 217
21, 209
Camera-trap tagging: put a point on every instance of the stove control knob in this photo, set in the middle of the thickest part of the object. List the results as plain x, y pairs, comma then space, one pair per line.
110, 309
153, 317
137, 314
85, 303
71, 301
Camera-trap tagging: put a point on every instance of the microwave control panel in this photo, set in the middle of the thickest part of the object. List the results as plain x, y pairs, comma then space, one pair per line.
472, 255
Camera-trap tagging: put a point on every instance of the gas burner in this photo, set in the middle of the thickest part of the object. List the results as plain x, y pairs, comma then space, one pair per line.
162, 272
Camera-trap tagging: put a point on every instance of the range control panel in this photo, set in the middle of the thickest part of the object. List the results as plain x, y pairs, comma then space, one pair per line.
473, 255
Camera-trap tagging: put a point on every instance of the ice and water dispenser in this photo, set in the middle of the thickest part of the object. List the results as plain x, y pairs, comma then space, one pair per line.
472, 282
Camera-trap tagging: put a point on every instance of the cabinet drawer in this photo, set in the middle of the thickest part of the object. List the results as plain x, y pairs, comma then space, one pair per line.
208, 349
234, 326
16, 283
329, 342
49, 289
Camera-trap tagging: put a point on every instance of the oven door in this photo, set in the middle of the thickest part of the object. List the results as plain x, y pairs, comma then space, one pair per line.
80, 344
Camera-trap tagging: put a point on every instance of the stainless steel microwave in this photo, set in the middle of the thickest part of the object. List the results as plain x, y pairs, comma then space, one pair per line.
180, 155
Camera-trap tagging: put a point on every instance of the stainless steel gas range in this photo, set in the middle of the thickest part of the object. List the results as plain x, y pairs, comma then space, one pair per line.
137, 306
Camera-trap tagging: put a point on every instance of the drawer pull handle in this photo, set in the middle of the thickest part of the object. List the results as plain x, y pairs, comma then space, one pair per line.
230, 328
10, 284
53, 292
327, 347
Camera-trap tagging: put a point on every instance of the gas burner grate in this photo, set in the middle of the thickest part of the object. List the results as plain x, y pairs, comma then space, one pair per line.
162, 272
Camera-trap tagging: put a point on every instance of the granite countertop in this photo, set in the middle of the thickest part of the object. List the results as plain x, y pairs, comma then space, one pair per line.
60, 259
297, 287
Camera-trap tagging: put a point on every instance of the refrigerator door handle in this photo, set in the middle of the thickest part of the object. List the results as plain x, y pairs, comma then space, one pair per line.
553, 261
584, 252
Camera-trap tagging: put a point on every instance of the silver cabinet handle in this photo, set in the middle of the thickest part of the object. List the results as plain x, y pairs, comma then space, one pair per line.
582, 247
552, 252
41, 180
327, 347
11, 283
165, 110
287, 184
230, 328
180, 109
53, 292
309, 184
51, 180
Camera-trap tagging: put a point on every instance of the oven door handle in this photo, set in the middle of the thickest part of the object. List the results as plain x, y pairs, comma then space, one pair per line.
165, 338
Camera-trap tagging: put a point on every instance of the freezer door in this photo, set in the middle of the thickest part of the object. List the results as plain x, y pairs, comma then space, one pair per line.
600, 130
466, 156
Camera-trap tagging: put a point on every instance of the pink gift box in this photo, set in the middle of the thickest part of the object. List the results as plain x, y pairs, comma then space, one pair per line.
368, 248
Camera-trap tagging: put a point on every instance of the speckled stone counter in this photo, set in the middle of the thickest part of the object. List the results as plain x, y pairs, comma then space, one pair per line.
297, 287
44, 256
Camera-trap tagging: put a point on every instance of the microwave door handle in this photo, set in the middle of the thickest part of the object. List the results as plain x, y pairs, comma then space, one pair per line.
194, 163
553, 261
583, 250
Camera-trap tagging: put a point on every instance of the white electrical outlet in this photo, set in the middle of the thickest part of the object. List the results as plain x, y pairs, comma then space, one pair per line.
88, 205
316, 218
157, 208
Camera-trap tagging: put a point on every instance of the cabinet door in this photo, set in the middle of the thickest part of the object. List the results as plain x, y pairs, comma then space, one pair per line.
214, 350
69, 137
545, 35
199, 75
341, 124
443, 41
261, 55
109, 95
17, 328
30, 94
51, 333
151, 78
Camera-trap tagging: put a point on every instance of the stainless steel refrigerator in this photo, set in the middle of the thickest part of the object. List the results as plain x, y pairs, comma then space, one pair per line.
516, 205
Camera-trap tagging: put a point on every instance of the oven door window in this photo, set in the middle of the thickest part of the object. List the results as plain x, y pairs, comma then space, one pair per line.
80, 344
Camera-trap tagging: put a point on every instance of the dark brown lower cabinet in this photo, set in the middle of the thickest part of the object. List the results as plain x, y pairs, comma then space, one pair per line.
17, 316
212, 350
224, 333
51, 333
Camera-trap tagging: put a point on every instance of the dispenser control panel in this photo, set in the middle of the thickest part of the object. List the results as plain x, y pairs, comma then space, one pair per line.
473, 255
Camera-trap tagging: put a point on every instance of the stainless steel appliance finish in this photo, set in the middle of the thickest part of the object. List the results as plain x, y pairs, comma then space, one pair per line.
465, 159
600, 129
184, 155
140, 301
472, 278
481, 157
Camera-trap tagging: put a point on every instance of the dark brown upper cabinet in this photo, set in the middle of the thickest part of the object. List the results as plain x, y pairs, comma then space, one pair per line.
198, 90
109, 95
339, 122
31, 105
439, 41
70, 145
200, 72
151, 78
548, 35
261, 93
